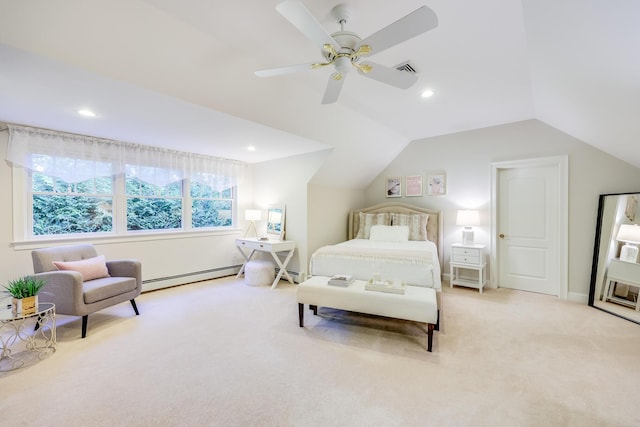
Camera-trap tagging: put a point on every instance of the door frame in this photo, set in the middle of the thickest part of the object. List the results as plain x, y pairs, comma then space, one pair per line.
561, 163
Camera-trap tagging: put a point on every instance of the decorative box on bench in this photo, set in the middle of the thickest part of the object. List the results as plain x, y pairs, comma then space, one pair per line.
390, 286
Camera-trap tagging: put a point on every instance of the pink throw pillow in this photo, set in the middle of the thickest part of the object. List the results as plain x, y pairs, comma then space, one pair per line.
90, 268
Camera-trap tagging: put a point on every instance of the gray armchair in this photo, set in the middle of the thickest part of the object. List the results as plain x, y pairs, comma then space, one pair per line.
74, 297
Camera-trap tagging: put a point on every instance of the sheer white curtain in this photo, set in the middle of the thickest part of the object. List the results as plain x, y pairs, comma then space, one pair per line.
75, 158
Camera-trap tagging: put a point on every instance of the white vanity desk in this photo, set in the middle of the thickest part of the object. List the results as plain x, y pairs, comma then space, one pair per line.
273, 247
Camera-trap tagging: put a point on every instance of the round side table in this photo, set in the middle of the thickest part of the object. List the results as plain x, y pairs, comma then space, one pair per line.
26, 338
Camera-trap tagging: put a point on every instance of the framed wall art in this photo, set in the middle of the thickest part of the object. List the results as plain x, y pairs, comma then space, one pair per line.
436, 184
393, 186
413, 185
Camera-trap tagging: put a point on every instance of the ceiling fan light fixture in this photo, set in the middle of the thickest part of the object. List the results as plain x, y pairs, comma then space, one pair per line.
342, 64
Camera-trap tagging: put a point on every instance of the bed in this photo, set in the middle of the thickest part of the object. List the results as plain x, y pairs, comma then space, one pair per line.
377, 245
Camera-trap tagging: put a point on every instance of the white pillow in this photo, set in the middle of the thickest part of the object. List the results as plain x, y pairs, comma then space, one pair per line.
389, 233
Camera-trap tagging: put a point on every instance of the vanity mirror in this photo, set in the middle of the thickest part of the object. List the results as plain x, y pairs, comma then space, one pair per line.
275, 222
615, 273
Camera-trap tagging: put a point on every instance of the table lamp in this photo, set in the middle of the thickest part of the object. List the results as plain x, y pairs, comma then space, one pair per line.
252, 215
630, 235
468, 218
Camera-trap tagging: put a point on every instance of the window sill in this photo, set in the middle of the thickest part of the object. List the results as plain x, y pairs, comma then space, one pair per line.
141, 236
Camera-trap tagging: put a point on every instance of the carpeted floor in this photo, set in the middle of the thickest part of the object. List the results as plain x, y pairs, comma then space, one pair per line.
221, 353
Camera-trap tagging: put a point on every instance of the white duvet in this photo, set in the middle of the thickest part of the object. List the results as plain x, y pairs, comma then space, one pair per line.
413, 262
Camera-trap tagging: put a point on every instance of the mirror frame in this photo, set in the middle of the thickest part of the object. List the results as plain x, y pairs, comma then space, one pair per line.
608, 220
275, 228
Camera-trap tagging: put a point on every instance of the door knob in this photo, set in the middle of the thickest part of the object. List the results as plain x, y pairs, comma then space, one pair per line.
501, 236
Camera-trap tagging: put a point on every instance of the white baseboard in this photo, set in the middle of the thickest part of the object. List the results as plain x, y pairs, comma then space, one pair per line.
183, 279
297, 276
571, 296
577, 297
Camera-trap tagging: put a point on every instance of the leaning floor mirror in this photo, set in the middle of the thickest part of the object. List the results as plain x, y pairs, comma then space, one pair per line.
615, 274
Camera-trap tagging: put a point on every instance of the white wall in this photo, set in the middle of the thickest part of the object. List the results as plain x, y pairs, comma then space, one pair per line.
328, 212
317, 215
466, 158
165, 257
186, 258
284, 182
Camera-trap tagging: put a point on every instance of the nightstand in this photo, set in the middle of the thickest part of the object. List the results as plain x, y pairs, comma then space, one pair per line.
625, 273
467, 257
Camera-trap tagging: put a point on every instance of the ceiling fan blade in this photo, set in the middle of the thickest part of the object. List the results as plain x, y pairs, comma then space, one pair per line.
300, 17
417, 22
333, 89
290, 69
390, 76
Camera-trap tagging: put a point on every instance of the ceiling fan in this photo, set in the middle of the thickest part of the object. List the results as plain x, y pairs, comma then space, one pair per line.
343, 49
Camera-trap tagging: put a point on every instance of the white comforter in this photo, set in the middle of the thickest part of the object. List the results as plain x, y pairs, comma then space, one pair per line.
413, 262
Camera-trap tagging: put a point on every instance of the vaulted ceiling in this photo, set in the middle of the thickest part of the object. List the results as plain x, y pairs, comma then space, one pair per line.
179, 73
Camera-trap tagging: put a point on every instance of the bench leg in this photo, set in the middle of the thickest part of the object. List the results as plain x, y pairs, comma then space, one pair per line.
301, 314
437, 328
430, 328
314, 308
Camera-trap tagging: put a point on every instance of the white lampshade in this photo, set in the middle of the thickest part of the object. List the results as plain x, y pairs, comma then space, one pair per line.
252, 215
629, 233
468, 217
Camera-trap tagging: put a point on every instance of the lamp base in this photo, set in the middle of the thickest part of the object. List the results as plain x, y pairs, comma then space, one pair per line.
251, 226
467, 236
629, 253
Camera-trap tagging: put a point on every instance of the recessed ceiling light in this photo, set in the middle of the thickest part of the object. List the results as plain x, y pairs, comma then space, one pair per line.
86, 113
251, 148
427, 93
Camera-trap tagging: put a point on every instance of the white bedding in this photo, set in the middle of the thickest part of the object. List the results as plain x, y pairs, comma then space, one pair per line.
413, 262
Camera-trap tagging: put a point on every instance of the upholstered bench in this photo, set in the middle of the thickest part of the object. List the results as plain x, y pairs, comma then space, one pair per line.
417, 304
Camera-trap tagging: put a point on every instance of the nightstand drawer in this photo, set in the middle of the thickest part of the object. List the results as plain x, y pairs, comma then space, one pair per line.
467, 259
260, 246
466, 251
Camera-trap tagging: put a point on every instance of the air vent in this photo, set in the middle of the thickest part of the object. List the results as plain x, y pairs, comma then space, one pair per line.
406, 66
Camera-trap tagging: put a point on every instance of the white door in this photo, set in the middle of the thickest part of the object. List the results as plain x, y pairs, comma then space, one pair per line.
530, 229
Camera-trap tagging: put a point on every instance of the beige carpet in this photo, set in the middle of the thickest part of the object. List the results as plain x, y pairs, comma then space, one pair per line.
221, 353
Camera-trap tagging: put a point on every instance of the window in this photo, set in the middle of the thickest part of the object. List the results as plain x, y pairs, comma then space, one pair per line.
75, 184
60, 207
152, 207
210, 207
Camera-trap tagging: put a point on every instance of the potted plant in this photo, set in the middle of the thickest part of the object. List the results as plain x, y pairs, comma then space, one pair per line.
25, 294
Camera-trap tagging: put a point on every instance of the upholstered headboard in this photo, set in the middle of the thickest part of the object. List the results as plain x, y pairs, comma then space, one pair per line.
434, 223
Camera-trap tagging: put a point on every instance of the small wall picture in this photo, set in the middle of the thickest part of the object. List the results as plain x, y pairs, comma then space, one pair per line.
413, 185
393, 186
436, 184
